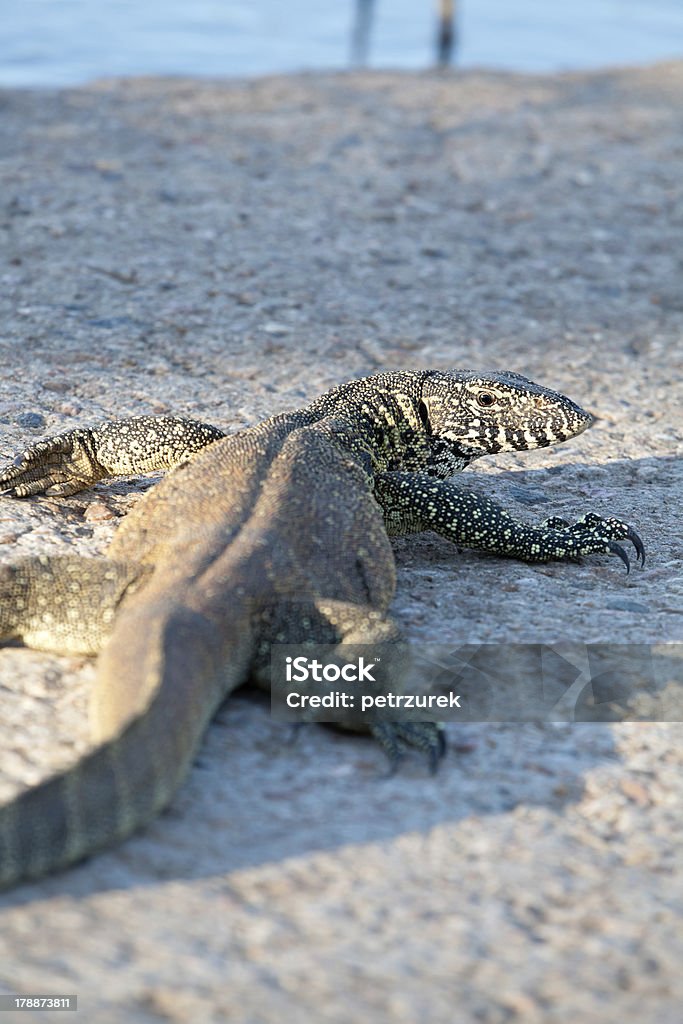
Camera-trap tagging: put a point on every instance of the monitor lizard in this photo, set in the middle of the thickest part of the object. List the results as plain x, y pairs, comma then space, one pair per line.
277, 533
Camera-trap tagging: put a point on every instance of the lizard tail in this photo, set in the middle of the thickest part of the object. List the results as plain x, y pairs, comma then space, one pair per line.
176, 671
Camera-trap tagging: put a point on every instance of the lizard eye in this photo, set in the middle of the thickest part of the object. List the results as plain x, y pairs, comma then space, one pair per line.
486, 399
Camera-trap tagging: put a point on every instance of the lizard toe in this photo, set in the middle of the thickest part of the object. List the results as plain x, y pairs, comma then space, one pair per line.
396, 738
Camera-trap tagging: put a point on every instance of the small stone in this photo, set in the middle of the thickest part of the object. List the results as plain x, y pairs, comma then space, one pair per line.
108, 323
33, 420
275, 328
619, 604
518, 1004
636, 792
528, 495
97, 512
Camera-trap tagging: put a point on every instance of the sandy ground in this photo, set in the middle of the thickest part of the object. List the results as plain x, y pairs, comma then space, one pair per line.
231, 250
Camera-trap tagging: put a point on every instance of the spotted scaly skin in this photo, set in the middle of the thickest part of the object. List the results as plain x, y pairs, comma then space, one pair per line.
278, 533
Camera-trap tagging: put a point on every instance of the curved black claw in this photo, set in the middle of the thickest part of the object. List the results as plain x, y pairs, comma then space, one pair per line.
638, 545
617, 549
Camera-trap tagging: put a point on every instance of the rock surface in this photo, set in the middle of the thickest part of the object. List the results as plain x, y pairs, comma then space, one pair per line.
229, 250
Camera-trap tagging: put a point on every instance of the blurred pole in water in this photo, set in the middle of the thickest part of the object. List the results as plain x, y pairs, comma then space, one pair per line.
360, 35
446, 38
446, 34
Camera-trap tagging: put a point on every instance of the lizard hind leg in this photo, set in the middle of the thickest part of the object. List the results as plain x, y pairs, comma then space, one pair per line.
63, 603
366, 632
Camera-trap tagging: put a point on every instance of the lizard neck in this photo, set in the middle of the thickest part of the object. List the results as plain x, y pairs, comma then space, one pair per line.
387, 425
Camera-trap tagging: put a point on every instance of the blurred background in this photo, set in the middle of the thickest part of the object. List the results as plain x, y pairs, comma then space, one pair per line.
60, 42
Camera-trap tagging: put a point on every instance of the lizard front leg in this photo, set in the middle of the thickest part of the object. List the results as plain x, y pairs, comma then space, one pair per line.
64, 603
413, 502
77, 459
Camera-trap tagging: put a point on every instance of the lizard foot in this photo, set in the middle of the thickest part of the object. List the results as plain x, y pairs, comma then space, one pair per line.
598, 534
396, 738
59, 465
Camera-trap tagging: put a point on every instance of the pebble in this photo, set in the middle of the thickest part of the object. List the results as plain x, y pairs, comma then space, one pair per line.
32, 420
97, 512
619, 604
108, 323
275, 328
528, 495
636, 792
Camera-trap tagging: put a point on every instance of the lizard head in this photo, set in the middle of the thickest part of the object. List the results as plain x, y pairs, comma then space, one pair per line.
477, 414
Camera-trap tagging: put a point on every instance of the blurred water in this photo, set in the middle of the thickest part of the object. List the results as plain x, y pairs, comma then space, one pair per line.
68, 41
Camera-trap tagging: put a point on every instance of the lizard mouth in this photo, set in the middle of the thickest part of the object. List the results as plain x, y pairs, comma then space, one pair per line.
490, 438
554, 422
576, 421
